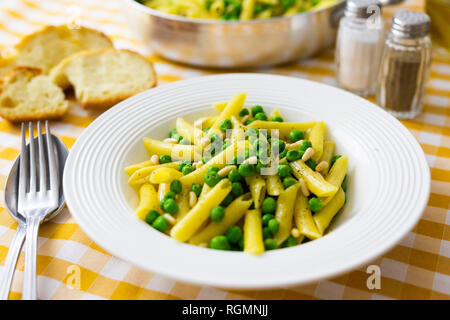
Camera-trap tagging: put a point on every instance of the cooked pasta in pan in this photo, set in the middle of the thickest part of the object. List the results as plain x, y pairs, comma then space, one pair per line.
236, 9
242, 180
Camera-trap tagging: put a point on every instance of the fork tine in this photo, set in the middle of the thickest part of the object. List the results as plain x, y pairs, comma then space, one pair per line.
23, 166
42, 166
32, 159
52, 165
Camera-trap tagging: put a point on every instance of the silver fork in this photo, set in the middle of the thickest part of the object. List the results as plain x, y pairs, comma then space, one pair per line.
38, 195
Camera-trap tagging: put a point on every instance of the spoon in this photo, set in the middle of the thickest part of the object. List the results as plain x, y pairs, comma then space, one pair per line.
11, 193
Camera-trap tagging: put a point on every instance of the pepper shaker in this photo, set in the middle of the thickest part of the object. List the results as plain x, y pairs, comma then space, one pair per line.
359, 46
405, 63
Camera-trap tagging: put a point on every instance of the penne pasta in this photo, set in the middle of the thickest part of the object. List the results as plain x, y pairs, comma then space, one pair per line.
148, 200
284, 128
328, 151
231, 109
336, 175
162, 190
304, 219
285, 212
316, 183
164, 175
189, 225
188, 131
233, 213
253, 238
238, 133
274, 185
176, 151
142, 175
324, 217
183, 203
220, 106
257, 186
133, 168
247, 9
316, 137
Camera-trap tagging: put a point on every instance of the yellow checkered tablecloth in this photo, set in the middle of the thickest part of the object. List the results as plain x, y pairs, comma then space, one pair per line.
416, 268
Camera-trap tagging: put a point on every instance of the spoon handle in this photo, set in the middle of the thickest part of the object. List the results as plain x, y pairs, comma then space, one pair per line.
29, 291
11, 261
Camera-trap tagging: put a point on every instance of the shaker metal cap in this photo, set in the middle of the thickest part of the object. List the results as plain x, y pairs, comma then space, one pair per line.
411, 24
358, 8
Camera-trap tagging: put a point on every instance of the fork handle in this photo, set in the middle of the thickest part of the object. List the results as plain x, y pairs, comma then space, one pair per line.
29, 291
11, 261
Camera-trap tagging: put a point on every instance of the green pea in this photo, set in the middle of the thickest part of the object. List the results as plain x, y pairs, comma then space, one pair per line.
311, 163
181, 165
175, 186
289, 181
296, 135
170, 206
172, 132
196, 188
277, 119
234, 234
252, 132
211, 178
246, 169
206, 130
266, 233
160, 224
225, 124
257, 109
214, 137
165, 158
169, 195
212, 169
187, 169
177, 137
234, 175
283, 153
246, 153
315, 204
333, 160
293, 155
269, 205
243, 112
284, 171
184, 141
261, 116
151, 216
305, 145
205, 159
219, 243
290, 242
217, 213
237, 160
259, 165
270, 244
225, 145
344, 184
277, 144
237, 189
248, 122
228, 199
241, 243
263, 155
161, 204
266, 218
273, 226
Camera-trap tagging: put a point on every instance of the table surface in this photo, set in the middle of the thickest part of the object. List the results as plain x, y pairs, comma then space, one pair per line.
418, 267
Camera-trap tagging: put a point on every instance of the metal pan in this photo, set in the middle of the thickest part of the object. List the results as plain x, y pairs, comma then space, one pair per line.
236, 44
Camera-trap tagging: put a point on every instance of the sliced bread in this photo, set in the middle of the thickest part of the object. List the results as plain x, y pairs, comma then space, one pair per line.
27, 95
47, 47
102, 78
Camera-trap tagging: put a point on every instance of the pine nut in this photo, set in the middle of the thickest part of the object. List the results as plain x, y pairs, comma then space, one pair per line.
251, 160
322, 166
199, 164
295, 233
169, 218
294, 145
225, 171
308, 154
154, 159
244, 119
192, 199
170, 140
303, 187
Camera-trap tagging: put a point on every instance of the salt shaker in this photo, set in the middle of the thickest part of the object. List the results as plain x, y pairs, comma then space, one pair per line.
359, 46
405, 63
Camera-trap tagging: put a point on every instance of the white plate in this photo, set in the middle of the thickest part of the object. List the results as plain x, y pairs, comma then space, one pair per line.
388, 181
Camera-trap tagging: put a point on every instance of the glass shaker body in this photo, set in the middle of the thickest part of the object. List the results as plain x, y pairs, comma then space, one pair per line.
403, 73
358, 54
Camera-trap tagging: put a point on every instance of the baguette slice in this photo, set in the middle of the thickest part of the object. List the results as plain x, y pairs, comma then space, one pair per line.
47, 47
102, 78
27, 95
